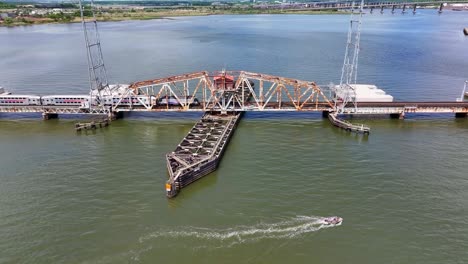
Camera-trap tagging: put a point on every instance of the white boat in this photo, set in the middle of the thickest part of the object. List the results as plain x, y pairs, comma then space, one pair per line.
332, 220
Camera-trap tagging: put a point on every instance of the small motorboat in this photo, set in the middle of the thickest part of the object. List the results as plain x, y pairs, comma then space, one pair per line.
332, 220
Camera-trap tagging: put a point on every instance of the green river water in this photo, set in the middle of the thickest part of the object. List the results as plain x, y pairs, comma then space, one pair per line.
99, 197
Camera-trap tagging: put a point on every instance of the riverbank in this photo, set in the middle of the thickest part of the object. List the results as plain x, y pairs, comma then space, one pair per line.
119, 15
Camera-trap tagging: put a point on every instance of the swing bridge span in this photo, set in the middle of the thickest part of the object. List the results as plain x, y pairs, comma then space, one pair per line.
234, 91
223, 97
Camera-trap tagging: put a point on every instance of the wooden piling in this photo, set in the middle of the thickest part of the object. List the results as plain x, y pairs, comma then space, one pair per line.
92, 125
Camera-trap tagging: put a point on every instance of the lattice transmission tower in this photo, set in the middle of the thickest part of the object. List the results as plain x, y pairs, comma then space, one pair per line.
99, 84
350, 64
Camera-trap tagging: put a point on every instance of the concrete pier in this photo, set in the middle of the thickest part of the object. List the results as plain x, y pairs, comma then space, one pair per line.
200, 151
115, 115
47, 116
398, 116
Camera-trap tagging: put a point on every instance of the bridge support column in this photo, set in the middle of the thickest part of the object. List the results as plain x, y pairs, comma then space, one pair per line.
47, 116
115, 115
441, 8
398, 116
461, 115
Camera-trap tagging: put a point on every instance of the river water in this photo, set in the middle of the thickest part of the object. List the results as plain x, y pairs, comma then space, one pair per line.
99, 197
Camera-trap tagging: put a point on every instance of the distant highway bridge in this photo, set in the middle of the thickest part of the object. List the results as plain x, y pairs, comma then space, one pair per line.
345, 5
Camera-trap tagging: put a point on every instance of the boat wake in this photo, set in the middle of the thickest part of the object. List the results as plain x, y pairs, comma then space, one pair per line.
243, 234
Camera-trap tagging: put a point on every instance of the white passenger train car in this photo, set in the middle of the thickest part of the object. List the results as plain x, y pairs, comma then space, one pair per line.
9, 99
82, 101
66, 100
138, 100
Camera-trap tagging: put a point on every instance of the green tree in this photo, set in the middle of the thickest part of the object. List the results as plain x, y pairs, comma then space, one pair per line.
86, 13
7, 5
68, 17
8, 21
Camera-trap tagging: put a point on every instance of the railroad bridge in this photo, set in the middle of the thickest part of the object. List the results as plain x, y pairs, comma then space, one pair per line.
204, 92
223, 96
370, 5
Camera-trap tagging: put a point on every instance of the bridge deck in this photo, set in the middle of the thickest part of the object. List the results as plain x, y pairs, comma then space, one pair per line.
225, 91
362, 108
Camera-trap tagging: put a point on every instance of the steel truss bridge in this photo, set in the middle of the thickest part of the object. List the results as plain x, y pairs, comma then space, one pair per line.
237, 91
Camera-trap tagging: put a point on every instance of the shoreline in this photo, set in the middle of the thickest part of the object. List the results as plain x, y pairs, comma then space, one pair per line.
167, 14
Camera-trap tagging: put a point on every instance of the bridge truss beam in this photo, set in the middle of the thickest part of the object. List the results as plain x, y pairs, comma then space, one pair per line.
265, 92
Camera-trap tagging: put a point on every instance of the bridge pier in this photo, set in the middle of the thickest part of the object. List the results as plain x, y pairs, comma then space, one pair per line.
461, 115
414, 9
381, 9
398, 115
115, 115
47, 116
200, 151
441, 8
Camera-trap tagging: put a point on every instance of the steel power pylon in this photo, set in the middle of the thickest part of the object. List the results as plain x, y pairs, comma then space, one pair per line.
350, 64
99, 84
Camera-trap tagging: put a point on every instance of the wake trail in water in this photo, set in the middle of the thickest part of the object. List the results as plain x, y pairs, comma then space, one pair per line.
242, 234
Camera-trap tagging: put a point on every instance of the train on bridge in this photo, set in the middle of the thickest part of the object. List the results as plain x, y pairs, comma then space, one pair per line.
226, 92
87, 101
